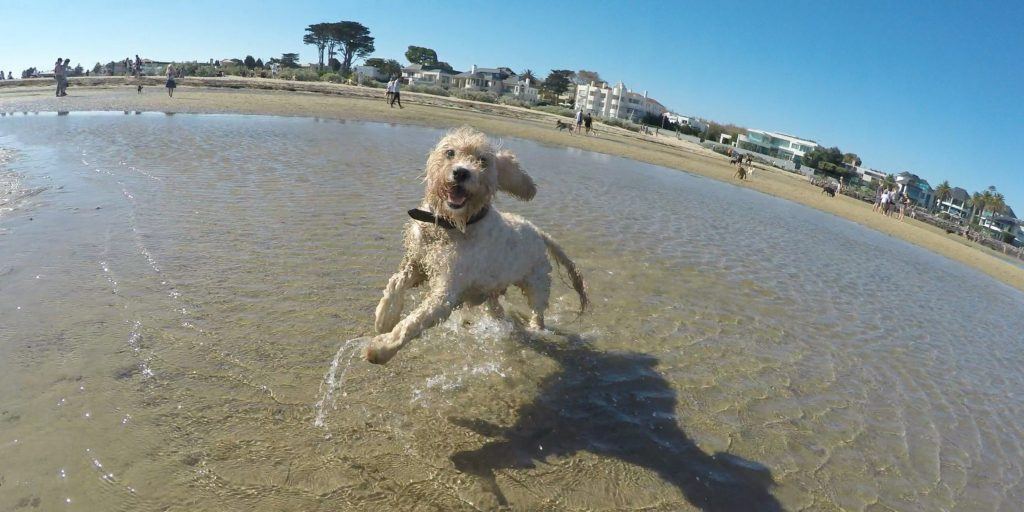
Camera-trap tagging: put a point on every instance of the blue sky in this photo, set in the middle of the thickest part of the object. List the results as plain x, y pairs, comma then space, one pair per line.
932, 87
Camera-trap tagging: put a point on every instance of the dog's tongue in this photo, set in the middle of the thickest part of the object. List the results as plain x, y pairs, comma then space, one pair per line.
456, 196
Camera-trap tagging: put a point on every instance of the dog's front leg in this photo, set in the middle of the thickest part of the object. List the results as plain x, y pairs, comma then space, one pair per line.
389, 309
435, 309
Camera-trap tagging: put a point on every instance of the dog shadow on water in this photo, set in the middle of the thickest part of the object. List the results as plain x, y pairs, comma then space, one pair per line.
613, 404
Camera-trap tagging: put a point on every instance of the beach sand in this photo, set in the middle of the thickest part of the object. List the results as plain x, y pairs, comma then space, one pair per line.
310, 99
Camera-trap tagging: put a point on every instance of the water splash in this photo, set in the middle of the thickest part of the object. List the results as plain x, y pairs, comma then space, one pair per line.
333, 379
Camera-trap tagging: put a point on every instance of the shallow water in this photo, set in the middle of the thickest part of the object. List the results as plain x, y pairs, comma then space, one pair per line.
176, 293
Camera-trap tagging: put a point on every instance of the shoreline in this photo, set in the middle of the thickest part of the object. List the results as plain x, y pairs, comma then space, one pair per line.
236, 95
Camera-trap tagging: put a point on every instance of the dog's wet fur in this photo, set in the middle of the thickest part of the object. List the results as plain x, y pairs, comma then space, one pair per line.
470, 264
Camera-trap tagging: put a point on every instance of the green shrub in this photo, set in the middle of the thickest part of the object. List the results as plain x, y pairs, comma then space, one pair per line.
331, 77
426, 89
513, 101
551, 109
621, 123
300, 74
485, 97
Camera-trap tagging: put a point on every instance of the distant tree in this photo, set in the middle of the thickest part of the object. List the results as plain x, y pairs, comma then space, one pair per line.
528, 74
110, 67
354, 39
889, 181
78, 71
820, 155
943, 191
334, 64
998, 203
557, 82
289, 60
852, 159
386, 67
97, 69
421, 55
319, 35
30, 72
589, 76
249, 62
442, 65
259, 63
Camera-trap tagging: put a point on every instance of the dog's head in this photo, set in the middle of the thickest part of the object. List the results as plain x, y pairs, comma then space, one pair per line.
464, 171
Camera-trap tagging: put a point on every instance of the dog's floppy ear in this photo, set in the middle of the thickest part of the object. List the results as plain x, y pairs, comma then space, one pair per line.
512, 179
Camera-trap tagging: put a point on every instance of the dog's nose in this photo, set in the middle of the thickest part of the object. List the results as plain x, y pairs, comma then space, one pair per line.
460, 174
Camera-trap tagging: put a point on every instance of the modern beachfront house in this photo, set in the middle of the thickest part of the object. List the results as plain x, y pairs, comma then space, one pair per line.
917, 189
693, 122
777, 145
999, 224
957, 205
619, 102
866, 174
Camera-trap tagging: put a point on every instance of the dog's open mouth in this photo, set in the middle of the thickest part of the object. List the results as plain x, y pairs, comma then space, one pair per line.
457, 197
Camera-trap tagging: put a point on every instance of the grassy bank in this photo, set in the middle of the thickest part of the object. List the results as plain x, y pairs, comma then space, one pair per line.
328, 100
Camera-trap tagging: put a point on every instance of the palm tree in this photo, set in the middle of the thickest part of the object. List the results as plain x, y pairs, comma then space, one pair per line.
528, 74
943, 192
977, 204
998, 204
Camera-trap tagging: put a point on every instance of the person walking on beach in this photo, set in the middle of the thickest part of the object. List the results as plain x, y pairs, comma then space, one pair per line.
395, 94
170, 80
878, 199
390, 91
58, 75
883, 200
588, 122
579, 120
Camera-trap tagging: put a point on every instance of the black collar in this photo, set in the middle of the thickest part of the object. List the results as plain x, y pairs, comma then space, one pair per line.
425, 216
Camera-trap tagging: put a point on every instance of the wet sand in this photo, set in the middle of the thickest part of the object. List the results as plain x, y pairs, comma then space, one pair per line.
310, 99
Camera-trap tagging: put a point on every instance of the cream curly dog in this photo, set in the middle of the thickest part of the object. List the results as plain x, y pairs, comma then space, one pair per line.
466, 250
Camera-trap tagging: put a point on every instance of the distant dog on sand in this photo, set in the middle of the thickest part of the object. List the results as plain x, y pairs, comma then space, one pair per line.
829, 189
465, 250
741, 173
559, 125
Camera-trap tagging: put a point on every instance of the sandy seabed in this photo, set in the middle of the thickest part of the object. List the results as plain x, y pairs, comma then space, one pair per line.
279, 97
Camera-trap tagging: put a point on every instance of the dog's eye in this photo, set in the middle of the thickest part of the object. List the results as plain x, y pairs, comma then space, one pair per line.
450, 153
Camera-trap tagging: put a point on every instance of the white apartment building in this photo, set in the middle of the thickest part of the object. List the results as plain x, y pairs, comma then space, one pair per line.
617, 101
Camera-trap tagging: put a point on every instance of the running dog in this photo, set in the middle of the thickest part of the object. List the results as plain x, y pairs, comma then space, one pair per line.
559, 125
829, 189
465, 250
741, 172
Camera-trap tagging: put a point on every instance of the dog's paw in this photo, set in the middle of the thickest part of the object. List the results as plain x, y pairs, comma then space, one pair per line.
379, 350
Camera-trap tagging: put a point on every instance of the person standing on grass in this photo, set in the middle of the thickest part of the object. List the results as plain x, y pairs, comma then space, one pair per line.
395, 94
170, 80
579, 120
588, 122
883, 200
390, 91
878, 199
